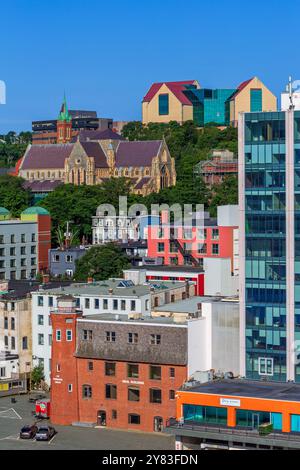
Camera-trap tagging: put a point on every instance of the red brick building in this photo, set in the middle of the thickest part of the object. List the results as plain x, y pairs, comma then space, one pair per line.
116, 371
220, 164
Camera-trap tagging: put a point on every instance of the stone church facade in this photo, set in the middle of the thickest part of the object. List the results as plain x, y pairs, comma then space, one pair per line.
95, 156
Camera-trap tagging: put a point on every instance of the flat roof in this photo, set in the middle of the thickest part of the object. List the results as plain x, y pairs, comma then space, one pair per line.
188, 305
112, 317
163, 267
102, 288
286, 391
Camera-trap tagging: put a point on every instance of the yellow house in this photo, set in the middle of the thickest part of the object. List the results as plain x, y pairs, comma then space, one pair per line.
250, 96
169, 101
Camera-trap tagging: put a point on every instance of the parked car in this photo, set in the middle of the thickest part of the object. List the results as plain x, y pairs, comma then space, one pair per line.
45, 433
28, 431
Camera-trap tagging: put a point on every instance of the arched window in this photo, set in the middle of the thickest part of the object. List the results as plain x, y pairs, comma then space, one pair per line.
164, 180
86, 391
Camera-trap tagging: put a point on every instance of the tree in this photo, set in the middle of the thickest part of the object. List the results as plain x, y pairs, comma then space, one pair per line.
101, 262
37, 376
12, 194
224, 193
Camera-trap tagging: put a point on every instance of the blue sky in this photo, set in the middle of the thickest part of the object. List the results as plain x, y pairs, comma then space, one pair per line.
106, 54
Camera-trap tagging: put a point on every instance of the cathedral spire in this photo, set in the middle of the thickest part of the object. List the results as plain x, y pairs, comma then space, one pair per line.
64, 114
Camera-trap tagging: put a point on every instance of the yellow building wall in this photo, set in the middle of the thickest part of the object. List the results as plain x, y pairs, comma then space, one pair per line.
242, 102
177, 111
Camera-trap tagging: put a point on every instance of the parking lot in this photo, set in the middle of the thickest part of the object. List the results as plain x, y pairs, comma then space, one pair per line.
15, 415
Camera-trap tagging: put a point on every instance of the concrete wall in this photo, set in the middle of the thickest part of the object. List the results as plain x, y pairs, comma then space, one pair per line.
218, 279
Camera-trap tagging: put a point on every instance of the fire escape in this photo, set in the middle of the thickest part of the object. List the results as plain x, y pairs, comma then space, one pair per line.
187, 256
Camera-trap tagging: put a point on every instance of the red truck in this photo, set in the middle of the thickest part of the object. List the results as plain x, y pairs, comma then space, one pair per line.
42, 408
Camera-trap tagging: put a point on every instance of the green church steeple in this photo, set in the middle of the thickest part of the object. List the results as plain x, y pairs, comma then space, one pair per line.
64, 114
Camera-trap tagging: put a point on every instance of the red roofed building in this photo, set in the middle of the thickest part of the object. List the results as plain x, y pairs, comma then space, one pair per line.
168, 101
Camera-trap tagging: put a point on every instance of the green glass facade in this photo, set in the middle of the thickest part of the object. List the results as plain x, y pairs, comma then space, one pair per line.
210, 105
265, 245
205, 414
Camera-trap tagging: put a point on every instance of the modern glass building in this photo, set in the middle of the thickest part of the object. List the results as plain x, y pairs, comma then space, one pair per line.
269, 175
209, 105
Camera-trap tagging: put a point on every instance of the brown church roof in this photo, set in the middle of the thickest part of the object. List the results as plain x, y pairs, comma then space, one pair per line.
94, 149
137, 153
46, 156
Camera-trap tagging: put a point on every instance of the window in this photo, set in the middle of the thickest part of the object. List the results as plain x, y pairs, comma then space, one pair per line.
215, 249
265, 366
86, 391
12, 239
50, 340
69, 259
70, 388
41, 339
6, 341
114, 414
50, 301
6, 323
110, 369
2, 372
155, 339
171, 394
172, 372
256, 100
33, 239
115, 304
69, 335
12, 263
133, 394
90, 365
33, 273
2, 264
133, 338
13, 342
40, 319
155, 372
55, 258
111, 391
12, 322
202, 248
2, 241
87, 335
24, 343
33, 250
134, 419
96, 304
23, 238
215, 234
155, 395
33, 261
12, 275
147, 304
163, 104
40, 301
110, 337
133, 371
58, 369
23, 250
58, 335
123, 304
160, 247
105, 304
133, 305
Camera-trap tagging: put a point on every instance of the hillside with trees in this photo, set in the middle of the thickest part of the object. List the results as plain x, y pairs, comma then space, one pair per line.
12, 147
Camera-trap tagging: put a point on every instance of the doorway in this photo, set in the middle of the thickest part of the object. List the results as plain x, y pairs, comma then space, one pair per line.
101, 418
158, 424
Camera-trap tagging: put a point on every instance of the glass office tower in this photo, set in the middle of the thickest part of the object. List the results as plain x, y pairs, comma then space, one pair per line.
269, 193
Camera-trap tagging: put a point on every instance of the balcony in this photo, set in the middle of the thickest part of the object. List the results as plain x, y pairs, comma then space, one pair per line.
217, 432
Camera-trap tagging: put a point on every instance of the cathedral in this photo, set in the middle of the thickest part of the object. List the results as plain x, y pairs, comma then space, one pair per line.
93, 156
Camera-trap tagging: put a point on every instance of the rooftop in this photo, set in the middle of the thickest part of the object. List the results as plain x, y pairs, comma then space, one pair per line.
102, 288
251, 389
111, 317
173, 269
19, 289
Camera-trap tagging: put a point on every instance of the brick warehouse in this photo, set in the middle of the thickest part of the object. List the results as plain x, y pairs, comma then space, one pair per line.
119, 371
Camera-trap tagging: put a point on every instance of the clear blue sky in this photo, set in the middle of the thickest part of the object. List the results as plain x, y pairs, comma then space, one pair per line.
105, 54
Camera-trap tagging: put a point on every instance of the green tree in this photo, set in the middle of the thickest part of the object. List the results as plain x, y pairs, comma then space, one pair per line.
12, 194
37, 376
101, 262
224, 193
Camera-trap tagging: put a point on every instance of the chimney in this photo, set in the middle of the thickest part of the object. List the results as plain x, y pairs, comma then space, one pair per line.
110, 291
90, 280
